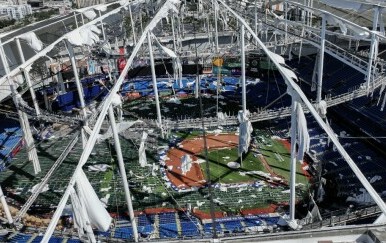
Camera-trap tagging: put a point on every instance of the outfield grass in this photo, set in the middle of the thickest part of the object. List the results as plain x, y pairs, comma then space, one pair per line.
188, 134
220, 172
273, 151
108, 177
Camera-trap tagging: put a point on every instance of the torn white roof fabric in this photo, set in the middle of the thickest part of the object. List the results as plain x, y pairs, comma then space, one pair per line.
32, 40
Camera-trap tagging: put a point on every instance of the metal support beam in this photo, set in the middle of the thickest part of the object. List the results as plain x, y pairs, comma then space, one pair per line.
2, 197
321, 60
122, 171
5, 207
374, 42
132, 25
155, 88
243, 84
102, 26
293, 160
215, 24
196, 85
311, 13
285, 21
76, 20
176, 75
79, 86
23, 119
32, 153
28, 79
174, 36
256, 18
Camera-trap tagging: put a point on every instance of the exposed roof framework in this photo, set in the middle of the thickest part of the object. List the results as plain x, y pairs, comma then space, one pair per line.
88, 34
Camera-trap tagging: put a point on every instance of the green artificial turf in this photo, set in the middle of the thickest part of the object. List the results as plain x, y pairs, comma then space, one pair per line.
278, 157
279, 163
220, 172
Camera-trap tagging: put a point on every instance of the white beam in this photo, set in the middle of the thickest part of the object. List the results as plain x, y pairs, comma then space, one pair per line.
132, 25
155, 88
79, 86
215, 24
321, 60
5, 207
374, 42
31, 150
23, 118
102, 26
28, 79
293, 160
122, 171
244, 86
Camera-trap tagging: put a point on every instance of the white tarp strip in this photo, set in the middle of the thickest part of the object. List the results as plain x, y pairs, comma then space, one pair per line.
79, 221
221, 116
380, 220
320, 193
100, 167
303, 138
98, 215
381, 23
245, 130
35, 188
101, 7
122, 126
359, 32
90, 14
169, 52
336, 22
186, 164
277, 57
177, 67
87, 35
141, 150
383, 102
381, 93
289, 73
315, 214
322, 107
32, 40
116, 100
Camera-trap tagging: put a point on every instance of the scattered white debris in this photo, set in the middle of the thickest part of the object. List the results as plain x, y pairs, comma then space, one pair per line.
375, 178
199, 204
35, 188
332, 162
218, 201
100, 167
105, 200
106, 189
